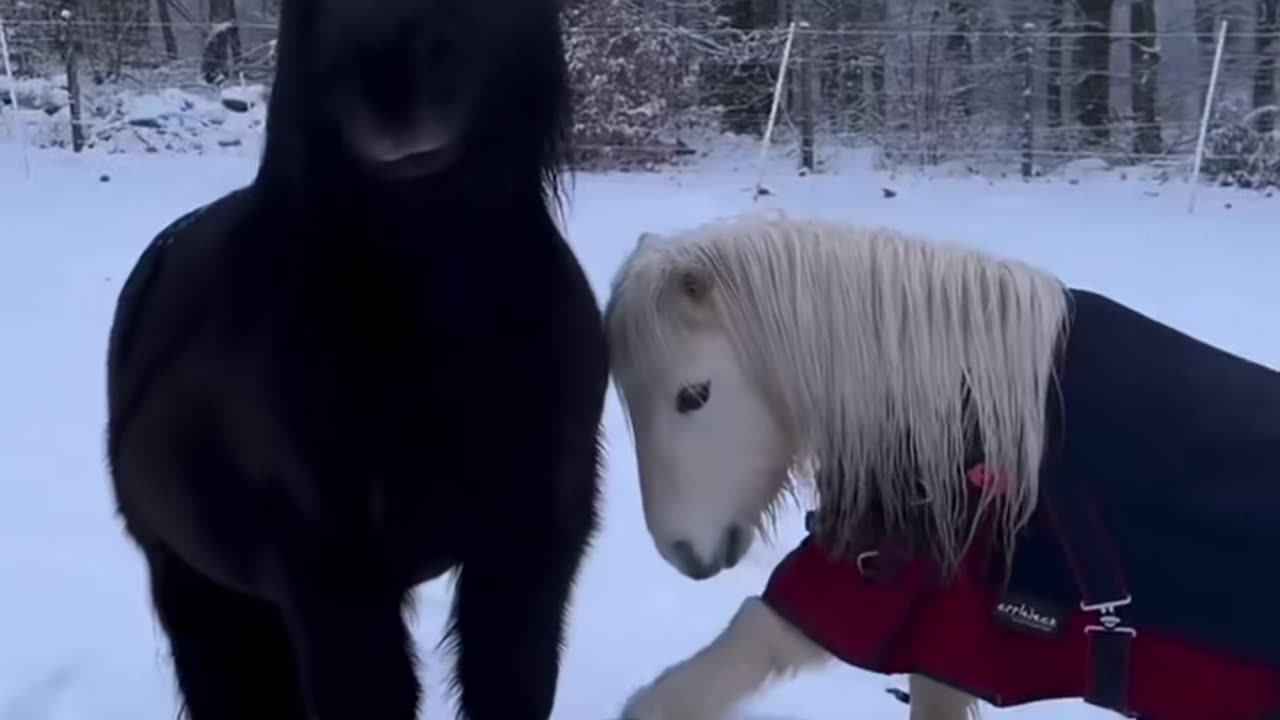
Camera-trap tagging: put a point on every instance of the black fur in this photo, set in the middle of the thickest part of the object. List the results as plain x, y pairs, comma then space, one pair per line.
346, 379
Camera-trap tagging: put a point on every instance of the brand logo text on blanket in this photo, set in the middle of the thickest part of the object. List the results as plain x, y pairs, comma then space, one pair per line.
1018, 612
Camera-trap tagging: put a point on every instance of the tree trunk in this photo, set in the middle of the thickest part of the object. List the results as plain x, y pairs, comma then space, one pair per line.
222, 48
1053, 81
1028, 53
848, 75
1264, 73
744, 90
959, 53
1206, 23
876, 18
1145, 52
807, 83
1093, 90
166, 29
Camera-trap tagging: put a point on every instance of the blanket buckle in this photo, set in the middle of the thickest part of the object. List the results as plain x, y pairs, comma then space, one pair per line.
862, 562
1108, 620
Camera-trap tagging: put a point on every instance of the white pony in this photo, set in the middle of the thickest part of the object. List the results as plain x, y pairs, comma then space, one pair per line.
756, 352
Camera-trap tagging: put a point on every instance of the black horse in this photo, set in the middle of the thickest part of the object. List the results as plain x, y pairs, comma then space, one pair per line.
377, 362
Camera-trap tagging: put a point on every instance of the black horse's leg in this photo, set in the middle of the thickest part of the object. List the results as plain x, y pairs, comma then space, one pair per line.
355, 651
510, 601
509, 622
231, 652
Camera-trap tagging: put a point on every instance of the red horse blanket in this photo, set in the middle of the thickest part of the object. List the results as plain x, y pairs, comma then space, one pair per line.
1148, 581
1007, 650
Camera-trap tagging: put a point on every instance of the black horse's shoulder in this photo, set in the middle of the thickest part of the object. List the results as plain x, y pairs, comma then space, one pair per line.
138, 284
148, 262
576, 333
184, 235
160, 301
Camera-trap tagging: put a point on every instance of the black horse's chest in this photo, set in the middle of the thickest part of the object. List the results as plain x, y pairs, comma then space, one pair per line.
400, 358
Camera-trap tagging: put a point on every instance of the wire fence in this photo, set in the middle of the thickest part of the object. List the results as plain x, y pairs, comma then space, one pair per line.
649, 91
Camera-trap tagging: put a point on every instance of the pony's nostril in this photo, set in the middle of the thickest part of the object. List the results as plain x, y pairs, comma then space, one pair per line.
685, 555
735, 545
689, 562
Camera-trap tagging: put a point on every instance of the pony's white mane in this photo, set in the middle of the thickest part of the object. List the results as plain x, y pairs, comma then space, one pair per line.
885, 354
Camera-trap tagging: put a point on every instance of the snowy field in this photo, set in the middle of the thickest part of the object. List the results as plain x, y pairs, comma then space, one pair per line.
77, 637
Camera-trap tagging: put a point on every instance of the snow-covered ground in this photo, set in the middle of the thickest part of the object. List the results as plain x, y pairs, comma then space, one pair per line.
77, 637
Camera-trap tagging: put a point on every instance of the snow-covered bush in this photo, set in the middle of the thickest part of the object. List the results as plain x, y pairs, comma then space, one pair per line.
125, 119
634, 82
1237, 154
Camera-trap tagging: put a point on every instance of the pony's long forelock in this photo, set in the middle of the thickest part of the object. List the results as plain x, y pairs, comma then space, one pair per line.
885, 354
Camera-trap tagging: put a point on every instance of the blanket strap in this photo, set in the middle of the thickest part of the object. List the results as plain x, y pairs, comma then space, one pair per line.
1100, 579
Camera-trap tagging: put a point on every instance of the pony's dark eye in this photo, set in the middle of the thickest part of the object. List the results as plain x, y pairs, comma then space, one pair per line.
692, 397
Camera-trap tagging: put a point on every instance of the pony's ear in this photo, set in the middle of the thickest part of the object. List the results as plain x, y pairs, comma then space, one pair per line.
646, 238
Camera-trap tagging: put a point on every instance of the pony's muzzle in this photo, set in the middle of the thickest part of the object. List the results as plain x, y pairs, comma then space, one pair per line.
733, 545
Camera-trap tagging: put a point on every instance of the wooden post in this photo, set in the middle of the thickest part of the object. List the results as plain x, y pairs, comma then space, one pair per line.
19, 128
71, 38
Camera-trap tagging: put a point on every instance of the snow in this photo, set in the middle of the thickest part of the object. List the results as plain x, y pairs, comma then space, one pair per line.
120, 118
77, 637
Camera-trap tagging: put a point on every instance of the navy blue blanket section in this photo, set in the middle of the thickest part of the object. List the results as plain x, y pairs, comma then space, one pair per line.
1171, 448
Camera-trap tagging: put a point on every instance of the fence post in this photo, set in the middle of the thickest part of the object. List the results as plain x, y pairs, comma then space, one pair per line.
73, 76
1204, 117
19, 129
1028, 99
773, 111
807, 77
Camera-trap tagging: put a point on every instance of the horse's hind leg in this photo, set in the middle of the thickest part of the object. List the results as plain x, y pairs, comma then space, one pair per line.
231, 653
354, 650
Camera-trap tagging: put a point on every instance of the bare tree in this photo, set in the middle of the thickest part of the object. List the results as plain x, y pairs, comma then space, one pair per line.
114, 33
1264, 73
959, 52
743, 88
1093, 57
807, 85
222, 47
1053, 81
1145, 53
166, 29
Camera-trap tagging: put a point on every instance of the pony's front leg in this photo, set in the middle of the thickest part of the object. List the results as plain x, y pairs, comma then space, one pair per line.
756, 646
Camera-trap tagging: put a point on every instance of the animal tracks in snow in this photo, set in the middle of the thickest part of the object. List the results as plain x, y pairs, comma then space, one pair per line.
38, 700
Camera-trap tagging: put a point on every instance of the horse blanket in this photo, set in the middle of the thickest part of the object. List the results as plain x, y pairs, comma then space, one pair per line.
1149, 579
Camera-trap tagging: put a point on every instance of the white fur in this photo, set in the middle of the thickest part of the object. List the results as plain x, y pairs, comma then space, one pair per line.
853, 340
828, 346
731, 446
758, 647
